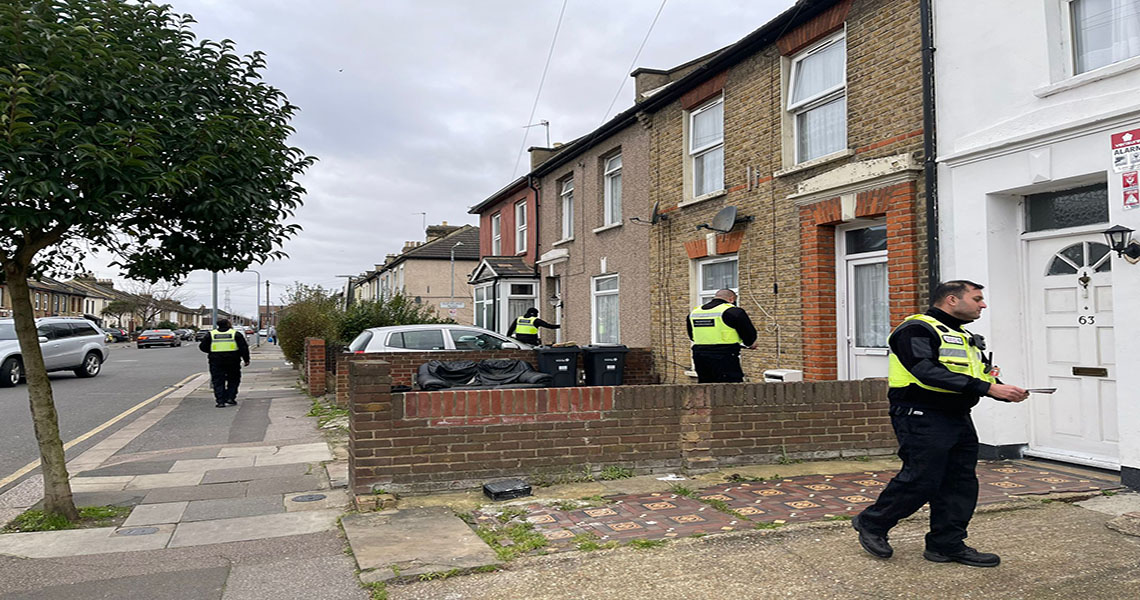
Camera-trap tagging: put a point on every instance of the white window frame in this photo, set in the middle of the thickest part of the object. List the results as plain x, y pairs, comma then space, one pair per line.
702, 295
1069, 35
509, 295
481, 305
696, 152
821, 98
611, 206
520, 226
594, 294
567, 196
496, 234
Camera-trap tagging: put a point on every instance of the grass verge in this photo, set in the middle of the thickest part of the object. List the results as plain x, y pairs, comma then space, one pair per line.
89, 517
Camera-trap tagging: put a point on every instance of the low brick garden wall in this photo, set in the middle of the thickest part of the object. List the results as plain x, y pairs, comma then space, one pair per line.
433, 441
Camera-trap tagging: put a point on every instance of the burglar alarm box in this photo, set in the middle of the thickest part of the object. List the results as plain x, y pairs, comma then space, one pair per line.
783, 375
506, 489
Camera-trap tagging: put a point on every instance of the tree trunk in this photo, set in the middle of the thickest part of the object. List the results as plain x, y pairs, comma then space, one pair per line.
57, 489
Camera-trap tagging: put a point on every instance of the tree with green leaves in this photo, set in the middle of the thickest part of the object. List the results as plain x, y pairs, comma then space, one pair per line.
119, 309
120, 131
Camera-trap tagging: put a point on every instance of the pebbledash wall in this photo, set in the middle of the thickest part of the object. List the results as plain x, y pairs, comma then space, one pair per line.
433, 441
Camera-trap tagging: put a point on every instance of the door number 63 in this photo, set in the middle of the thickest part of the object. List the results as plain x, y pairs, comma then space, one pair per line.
1087, 320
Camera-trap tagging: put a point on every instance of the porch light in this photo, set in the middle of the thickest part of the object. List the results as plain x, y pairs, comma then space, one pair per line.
1120, 241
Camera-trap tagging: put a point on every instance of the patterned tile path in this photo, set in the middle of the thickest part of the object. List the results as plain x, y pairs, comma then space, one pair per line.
795, 499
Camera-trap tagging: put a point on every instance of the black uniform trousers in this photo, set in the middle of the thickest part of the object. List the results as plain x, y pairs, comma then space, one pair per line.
717, 366
225, 375
939, 453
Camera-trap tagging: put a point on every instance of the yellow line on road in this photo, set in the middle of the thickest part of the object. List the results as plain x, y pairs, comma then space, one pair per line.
35, 463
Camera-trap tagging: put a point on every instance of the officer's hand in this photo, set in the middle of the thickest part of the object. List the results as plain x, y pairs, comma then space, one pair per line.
752, 347
1009, 393
246, 363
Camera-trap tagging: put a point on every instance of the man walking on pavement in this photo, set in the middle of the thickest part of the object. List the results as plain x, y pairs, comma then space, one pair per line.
718, 329
938, 371
227, 351
525, 328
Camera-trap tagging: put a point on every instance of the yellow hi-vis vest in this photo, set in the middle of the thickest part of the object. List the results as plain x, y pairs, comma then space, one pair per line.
223, 341
955, 352
709, 328
525, 325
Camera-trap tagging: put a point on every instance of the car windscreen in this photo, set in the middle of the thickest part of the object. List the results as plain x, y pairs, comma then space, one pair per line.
360, 342
7, 331
469, 339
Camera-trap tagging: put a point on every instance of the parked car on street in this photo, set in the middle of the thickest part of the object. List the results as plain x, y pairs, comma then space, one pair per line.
184, 334
158, 337
417, 338
201, 335
67, 343
263, 333
117, 334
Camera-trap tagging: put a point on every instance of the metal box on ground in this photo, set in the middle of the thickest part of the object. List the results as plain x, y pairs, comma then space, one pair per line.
506, 489
560, 363
783, 375
605, 365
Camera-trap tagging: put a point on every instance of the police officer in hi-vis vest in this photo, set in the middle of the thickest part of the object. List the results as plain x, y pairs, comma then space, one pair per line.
719, 329
525, 328
227, 349
938, 371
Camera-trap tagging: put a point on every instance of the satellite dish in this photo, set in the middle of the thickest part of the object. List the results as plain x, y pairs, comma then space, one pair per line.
657, 216
724, 220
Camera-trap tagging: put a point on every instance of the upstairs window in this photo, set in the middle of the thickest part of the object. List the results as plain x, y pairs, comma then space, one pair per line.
567, 196
706, 147
496, 235
1103, 32
817, 99
520, 227
611, 204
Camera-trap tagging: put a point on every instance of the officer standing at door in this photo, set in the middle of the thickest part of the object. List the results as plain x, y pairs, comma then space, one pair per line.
227, 350
719, 329
938, 371
525, 328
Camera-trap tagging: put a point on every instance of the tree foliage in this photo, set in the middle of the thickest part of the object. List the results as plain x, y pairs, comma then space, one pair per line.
120, 131
396, 310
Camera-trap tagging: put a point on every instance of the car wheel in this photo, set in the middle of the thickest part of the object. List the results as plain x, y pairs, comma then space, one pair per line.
91, 366
11, 372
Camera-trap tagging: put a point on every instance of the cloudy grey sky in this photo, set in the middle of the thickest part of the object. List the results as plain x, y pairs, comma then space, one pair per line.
418, 105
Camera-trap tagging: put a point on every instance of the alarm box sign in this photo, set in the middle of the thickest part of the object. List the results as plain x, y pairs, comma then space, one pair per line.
1126, 151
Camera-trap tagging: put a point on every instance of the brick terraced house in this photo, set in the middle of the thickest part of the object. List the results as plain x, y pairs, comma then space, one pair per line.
811, 127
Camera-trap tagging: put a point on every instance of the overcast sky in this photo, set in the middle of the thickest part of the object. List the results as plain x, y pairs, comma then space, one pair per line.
419, 105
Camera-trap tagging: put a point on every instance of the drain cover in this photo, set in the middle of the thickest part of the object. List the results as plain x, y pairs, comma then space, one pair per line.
137, 531
309, 498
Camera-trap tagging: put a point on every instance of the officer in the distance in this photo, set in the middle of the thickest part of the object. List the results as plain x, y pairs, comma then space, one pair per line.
525, 328
227, 350
719, 329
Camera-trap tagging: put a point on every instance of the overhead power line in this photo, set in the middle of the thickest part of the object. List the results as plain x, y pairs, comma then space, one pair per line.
538, 94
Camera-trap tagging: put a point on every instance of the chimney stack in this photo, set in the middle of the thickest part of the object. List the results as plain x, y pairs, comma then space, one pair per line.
434, 232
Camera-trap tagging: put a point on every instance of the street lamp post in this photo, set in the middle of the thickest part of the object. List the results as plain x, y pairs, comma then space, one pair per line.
257, 334
457, 244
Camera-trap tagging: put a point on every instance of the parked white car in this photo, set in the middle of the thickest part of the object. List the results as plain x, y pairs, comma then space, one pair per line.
418, 338
67, 343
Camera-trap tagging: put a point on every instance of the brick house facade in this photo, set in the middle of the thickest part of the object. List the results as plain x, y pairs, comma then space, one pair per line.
826, 178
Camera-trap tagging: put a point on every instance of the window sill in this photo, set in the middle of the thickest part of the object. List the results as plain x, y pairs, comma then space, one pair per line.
699, 199
692, 374
562, 241
607, 227
1077, 81
815, 162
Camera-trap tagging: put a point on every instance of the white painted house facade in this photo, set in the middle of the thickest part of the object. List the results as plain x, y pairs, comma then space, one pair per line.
1031, 95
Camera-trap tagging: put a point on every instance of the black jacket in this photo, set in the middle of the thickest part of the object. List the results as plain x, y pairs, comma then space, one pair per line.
916, 344
242, 354
530, 338
735, 318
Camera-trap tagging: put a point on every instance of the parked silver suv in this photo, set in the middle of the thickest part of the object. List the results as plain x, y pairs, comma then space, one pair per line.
68, 344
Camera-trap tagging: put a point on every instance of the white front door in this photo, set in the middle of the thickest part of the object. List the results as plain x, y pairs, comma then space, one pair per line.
864, 309
1072, 349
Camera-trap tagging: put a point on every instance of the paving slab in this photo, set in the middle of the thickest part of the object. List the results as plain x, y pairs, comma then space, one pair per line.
416, 541
253, 528
230, 508
337, 473
149, 467
196, 492
152, 514
337, 499
246, 451
1116, 505
123, 498
78, 542
251, 473
164, 480
284, 485
326, 578
100, 484
210, 464
204, 584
